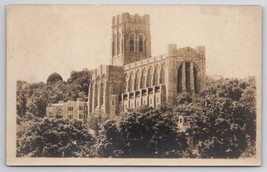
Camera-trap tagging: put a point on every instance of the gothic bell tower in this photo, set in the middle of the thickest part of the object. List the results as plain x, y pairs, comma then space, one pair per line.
131, 39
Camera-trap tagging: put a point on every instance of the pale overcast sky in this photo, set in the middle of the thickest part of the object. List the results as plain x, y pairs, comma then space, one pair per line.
61, 38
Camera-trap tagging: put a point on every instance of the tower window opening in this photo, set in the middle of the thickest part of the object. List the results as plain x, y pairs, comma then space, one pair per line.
141, 44
132, 43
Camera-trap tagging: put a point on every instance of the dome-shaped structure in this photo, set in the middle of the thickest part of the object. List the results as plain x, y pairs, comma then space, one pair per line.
54, 77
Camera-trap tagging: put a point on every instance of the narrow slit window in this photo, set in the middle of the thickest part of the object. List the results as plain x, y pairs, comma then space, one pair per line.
132, 43
141, 43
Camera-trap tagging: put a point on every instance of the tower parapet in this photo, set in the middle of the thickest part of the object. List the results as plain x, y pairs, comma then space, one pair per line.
172, 50
131, 39
127, 18
201, 51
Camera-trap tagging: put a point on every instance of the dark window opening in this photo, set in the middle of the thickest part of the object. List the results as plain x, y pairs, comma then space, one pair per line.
162, 75
101, 94
118, 44
187, 74
196, 80
179, 80
141, 44
131, 43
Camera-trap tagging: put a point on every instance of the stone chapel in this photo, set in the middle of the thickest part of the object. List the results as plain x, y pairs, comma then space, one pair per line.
135, 78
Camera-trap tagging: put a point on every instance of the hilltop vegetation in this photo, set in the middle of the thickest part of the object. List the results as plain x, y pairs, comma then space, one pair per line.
32, 98
223, 124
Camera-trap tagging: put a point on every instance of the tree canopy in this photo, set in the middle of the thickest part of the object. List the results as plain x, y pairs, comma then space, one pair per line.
34, 97
223, 118
145, 132
52, 137
222, 123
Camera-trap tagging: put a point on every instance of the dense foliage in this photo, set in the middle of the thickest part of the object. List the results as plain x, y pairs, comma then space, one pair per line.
223, 118
81, 79
145, 132
33, 97
52, 137
222, 123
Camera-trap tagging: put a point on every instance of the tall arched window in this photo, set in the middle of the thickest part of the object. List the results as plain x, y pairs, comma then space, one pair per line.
150, 77
118, 45
101, 94
95, 96
131, 82
113, 49
162, 74
196, 82
187, 76
137, 80
91, 97
143, 78
125, 83
131, 42
141, 43
156, 75
115, 45
179, 79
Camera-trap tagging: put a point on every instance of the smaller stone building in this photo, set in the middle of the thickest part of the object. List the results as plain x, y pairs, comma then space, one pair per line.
183, 123
55, 109
70, 110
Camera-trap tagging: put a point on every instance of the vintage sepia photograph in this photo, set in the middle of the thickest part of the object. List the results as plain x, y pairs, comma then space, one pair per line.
134, 85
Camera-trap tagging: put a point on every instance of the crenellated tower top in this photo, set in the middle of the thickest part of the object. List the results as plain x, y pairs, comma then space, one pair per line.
131, 40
